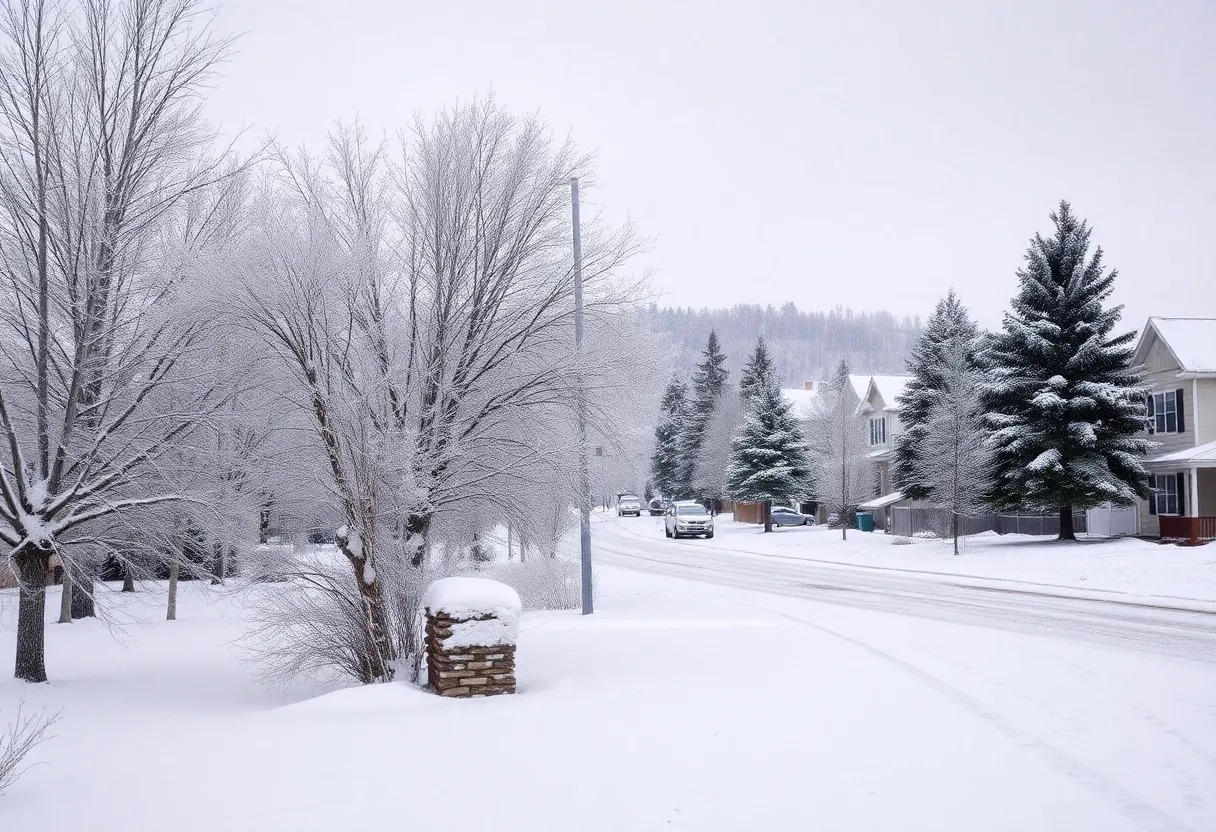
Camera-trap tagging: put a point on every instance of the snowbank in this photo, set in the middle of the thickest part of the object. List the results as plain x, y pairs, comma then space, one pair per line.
475, 598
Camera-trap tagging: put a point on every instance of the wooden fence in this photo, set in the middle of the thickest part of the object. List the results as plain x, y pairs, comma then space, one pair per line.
908, 521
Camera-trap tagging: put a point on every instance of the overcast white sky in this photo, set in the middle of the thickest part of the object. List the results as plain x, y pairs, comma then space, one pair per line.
863, 153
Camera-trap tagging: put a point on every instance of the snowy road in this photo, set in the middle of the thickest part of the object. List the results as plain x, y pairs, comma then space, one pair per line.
1112, 694
1179, 628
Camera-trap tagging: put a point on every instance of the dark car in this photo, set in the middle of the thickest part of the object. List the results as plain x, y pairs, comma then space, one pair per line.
658, 507
784, 516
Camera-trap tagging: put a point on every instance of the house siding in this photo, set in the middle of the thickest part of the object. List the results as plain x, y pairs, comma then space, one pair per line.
1199, 421
1207, 492
1203, 393
1162, 376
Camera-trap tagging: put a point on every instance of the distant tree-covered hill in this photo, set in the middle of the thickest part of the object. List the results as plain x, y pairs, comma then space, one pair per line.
804, 345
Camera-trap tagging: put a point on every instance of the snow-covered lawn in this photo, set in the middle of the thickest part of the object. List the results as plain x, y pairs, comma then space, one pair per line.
677, 706
1125, 565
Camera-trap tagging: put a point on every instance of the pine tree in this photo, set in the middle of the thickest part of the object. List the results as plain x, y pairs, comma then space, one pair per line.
950, 324
757, 372
954, 462
768, 458
1064, 403
666, 463
843, 474
707, 384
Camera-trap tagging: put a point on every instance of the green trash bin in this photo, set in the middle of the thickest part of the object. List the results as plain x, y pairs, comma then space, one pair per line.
865, 521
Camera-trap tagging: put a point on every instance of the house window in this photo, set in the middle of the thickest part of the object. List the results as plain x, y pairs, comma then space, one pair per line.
1165, 496
878, 431
1165, 412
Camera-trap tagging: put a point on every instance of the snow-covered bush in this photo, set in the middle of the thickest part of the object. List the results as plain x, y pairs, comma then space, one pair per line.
901, 541
925, 534
312, 624
543, 583
25, 733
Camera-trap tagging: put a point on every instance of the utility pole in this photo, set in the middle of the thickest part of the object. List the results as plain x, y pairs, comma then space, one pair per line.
584, 480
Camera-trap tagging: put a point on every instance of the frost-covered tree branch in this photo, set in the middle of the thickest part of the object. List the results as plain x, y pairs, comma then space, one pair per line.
103, 338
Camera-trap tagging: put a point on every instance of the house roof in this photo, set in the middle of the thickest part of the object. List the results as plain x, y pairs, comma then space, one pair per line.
1201, 456
800, 399
1192, 341
890, 388
882, 502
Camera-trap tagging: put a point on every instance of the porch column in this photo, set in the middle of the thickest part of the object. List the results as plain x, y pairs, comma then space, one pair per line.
1194, 489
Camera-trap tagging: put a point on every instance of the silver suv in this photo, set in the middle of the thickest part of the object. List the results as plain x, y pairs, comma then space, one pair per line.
628, 504
688, 519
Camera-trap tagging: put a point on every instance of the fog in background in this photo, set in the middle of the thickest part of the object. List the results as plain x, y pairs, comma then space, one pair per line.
867, 154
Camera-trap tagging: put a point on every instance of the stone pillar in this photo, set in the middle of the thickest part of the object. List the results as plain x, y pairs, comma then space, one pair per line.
471, 627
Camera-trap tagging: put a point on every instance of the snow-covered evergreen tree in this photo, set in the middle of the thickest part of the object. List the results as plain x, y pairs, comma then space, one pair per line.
707, 384
1064, 403
758, 372
666, 466
953, 461
768, 458
950, 324
843, 475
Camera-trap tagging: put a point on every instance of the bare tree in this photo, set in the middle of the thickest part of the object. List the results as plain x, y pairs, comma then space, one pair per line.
843, 476
100, 144
425, 312
954, 460
713, 459
25, 733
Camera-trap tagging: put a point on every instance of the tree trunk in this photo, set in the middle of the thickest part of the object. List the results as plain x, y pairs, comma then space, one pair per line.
174, 571
31, 616
82, 596
1066, 529
768, 515
377, 666
128, 578
416, 528
954, 530
65, 599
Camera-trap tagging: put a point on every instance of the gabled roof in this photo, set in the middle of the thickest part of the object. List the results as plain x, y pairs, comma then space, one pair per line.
802, 399
889, 388
1192, 342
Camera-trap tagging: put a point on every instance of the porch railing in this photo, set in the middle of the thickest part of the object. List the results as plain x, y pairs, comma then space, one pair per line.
1189, 529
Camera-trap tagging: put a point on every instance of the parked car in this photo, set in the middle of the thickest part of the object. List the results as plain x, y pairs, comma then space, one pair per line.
628, 504
658, 507
688, 519
786, 516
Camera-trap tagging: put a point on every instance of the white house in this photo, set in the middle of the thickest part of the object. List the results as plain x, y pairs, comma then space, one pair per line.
1179, 357
879, 408
876, 401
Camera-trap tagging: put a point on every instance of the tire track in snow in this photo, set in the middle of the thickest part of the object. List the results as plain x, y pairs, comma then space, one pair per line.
1118, 797
1164, 631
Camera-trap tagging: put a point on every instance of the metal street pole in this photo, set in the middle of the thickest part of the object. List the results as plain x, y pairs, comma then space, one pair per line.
584, 480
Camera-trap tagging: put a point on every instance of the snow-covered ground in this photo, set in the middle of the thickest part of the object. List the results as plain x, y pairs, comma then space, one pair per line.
679, 705
1124, 565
